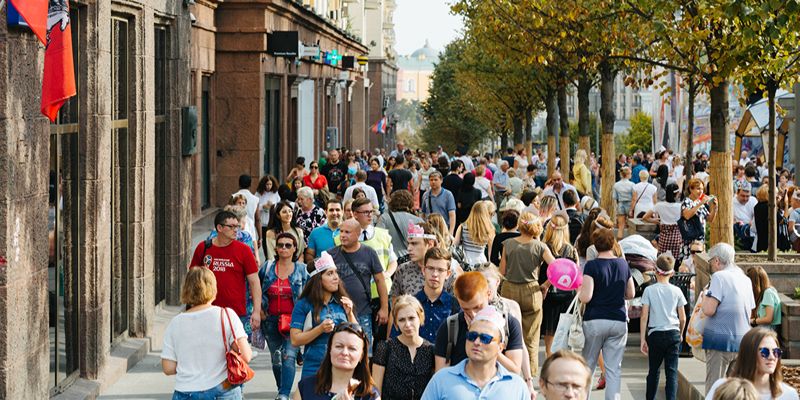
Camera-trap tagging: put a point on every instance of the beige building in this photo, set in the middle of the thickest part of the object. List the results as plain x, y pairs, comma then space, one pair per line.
414, 73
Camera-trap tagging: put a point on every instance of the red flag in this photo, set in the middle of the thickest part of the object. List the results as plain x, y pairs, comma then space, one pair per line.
58, 83
35, 14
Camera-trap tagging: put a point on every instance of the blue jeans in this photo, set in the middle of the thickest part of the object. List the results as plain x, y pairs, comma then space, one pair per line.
283, 355
215, 393
366, 324
663, 346
742, 232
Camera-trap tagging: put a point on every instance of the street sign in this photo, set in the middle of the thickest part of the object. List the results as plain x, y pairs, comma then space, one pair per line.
309, 51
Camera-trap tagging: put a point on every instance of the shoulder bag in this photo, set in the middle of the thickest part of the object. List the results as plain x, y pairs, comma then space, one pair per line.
569, 332
406, 257
238, 370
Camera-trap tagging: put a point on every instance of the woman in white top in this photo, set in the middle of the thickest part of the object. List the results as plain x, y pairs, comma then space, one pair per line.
483, 184
475, 234
644, 195
666, 214
521, 161
202, 374
267, 192
759, 361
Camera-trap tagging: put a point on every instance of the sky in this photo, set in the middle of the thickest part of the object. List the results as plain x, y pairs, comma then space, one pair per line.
417, 20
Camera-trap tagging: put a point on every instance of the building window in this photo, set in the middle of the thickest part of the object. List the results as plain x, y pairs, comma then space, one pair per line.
161, 181
63, 220
121, 176
411, 86
272, 123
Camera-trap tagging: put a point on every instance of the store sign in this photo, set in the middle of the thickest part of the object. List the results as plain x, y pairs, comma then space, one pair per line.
332, 57
348, 62
309, 51
362, 60
283, 44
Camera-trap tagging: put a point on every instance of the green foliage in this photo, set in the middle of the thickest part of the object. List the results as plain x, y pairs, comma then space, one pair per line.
451, 116
639, 135
574, 132
409, 113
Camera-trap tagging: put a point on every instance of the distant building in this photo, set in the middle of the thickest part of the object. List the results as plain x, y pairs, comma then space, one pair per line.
414, 73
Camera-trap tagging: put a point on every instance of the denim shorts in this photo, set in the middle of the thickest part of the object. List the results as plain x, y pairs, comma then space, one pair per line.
623, 207
216, 393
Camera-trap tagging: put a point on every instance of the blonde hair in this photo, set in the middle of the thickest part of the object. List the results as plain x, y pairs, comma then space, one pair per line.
530, 224
556, 236
199, 287
479, 170
625, 172
580, 157
236, 197
736, 389
479, 223
443, 238
762, 194
404, 301
239, 211
547, 204
643, 175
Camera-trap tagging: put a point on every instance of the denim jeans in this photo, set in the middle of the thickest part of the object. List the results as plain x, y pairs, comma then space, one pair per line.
742, 232
215, 393
366, 324
663, 346
283, 355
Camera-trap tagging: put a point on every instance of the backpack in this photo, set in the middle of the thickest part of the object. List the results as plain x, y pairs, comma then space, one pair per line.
452, 332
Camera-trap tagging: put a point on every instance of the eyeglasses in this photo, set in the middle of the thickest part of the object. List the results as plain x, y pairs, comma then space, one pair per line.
484, 337
366, 212
284, 245
314, 167
565, 386
765, 351
234, 227
436, 271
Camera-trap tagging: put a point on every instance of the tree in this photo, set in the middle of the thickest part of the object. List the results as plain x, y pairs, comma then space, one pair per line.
639, 135
451, 117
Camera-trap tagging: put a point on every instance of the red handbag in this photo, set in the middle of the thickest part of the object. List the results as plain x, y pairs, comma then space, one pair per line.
284, 324
238, 370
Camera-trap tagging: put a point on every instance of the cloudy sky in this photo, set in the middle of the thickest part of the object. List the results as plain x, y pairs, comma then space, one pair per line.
417, 20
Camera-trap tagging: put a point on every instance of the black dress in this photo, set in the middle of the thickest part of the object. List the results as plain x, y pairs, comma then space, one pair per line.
404, 379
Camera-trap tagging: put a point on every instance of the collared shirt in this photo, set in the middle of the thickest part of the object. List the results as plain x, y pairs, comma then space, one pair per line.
550, 191
501, 178
368, 190
323, 238
436, 312
439, 204
454, 383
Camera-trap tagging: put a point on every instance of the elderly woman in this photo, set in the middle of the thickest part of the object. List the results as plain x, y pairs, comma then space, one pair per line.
402, 366
202, 374
607, 283
728, 304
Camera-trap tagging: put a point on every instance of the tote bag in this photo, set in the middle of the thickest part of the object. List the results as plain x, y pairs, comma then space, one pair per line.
569, 332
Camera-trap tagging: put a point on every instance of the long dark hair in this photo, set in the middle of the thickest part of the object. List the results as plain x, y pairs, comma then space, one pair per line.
585, 238
262, 184
275, 223
662, 174
361, 372
468, 183
314, 290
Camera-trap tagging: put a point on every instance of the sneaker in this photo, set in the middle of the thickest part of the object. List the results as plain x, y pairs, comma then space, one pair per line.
282, 397
601, 383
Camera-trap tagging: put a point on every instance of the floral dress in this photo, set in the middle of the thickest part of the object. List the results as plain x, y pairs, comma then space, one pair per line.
702, 213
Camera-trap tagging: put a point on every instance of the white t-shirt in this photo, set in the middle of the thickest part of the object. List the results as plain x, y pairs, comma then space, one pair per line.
703, 176
787, 392
644, 193
368, 190
744, 212
668, 212
483, 184
194, 341
268, 197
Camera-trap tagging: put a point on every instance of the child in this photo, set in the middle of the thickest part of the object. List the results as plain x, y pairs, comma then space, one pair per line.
663, 320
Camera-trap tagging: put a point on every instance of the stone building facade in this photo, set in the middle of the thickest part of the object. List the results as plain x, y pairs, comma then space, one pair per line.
94, 228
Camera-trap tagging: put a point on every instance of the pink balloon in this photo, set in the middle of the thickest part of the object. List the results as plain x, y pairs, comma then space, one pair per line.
564, 274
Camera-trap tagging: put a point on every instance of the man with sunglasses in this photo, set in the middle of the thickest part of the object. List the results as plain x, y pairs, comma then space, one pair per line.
728, 304
233, 264
480, 375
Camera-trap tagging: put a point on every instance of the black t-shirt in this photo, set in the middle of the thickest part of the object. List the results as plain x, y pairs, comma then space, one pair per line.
459, 351
510, 160
452, 182
464, 203
400, 178
336, 174
497, 245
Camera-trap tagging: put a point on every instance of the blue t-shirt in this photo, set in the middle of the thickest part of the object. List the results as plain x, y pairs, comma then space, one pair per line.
322, 238
441, 204
610, 278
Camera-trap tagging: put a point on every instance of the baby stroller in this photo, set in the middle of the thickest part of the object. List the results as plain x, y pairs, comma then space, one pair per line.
641, 257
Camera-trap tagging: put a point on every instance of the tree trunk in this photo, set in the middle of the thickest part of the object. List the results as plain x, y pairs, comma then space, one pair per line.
516, 121
503, 141
721, 183
563, 121
584, 86
607, 77
772, 250
551, 106
688, 165
529, 132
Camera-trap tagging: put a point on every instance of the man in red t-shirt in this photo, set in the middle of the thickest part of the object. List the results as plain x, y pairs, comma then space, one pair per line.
232, 263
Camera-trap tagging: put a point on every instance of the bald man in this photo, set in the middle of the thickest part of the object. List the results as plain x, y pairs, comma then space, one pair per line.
557, 189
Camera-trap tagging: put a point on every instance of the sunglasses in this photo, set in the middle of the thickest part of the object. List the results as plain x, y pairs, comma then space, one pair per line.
349, 327
234, 227
764, 352
284, 245
485, 338
314, 167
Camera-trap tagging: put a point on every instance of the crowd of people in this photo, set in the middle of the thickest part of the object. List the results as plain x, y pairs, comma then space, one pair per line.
423, 275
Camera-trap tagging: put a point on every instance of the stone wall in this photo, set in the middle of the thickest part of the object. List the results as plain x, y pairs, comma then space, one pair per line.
24, 149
